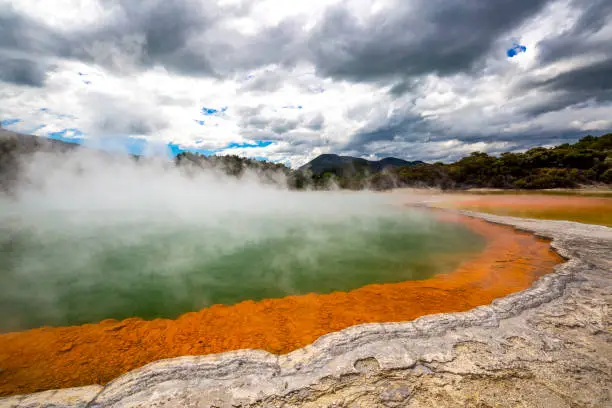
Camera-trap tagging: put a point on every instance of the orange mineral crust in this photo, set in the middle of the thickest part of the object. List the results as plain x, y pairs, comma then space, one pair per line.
48, 358
590, 210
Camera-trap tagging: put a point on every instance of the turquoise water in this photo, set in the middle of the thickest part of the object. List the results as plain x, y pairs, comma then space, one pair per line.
59, 269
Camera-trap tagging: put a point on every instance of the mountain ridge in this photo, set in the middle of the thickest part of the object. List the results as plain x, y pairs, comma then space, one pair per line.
345, 165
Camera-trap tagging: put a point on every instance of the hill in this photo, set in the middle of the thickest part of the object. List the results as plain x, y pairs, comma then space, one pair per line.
16, 149
21, 143
586, 162
347, 166
14, 146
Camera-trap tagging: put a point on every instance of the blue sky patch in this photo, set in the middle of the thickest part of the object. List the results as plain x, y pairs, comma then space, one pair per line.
129, 145
210, 111
174, 149
246, 145
60, 135
9, 122
200, 122
514, 51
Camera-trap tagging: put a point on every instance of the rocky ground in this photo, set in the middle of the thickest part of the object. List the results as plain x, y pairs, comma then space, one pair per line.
547, 346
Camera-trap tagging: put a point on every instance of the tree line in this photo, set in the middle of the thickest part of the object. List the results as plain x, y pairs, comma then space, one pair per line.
586, 162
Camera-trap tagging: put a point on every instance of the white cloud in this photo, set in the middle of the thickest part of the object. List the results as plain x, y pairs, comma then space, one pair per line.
121, 96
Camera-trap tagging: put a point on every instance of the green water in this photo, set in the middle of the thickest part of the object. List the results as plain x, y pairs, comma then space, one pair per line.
59, 269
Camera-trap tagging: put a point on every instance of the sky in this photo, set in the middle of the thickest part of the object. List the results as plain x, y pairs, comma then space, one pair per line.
428, 80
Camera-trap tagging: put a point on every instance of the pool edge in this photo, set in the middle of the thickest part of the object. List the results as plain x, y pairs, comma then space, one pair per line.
245, 377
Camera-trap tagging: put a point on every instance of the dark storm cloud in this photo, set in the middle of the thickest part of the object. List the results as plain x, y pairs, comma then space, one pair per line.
593, 15
162, 31
590, 83
400, 126
411, 39
415, 38
22, 72
23, 43
20, 33
166, 26
409, 55
591, 78
184, 36
155, 32
408, 40
404, 86
187, 37
282, 45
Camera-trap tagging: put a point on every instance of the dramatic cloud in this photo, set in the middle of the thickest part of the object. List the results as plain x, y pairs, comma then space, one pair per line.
418, 79
22, 72
412, 38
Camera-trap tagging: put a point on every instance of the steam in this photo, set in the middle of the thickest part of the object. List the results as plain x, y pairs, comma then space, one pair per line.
87, 236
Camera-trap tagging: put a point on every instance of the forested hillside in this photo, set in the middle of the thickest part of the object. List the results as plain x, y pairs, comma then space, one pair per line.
347, 166
586, 162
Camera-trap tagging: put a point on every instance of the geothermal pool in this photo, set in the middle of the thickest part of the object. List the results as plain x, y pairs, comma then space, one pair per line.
72, 266
98, 353
107, 266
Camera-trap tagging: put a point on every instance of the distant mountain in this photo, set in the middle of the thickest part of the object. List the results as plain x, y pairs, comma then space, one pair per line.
348, 166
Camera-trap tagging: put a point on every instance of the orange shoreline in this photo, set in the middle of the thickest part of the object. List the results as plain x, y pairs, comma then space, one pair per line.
59, 357
591, 210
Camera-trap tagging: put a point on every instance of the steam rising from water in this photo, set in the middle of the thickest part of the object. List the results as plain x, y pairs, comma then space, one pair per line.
89, 237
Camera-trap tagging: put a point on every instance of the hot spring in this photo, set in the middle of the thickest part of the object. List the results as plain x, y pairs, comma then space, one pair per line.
165, 262
86, 239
